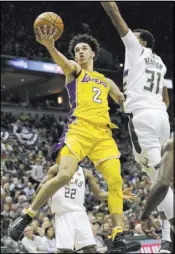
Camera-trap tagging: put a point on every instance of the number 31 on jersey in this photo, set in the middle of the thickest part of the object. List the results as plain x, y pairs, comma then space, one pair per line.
153, 80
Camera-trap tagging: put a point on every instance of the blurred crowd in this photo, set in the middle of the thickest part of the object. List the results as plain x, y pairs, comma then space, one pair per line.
17, 38
15, 100
24, 163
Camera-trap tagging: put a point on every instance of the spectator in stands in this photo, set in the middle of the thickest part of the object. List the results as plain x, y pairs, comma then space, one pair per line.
49, 241
100, 245
37, 171
37, 230
31, 242
156, 222
106, 230
29, 191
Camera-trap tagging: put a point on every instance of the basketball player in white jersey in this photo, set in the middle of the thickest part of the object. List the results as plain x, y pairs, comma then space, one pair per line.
72, 225
146, 102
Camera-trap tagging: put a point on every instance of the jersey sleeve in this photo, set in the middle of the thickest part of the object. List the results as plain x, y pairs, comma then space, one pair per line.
133, 49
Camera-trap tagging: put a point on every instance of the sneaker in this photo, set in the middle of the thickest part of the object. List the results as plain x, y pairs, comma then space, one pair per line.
166, 247
121, 245
17, 228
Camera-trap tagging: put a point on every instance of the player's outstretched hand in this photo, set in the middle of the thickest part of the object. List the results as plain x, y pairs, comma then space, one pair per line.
148, 229
46, 36
128, 195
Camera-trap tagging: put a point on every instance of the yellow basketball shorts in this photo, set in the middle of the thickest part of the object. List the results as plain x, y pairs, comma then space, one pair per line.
86, 139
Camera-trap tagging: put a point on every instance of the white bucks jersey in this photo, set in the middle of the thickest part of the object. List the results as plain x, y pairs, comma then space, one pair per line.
143, 77
71, 197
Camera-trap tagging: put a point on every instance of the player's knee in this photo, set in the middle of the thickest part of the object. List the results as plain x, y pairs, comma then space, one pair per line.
65, 175
112, 174
114, 181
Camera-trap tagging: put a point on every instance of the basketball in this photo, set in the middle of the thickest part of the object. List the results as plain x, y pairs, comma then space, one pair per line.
50, 18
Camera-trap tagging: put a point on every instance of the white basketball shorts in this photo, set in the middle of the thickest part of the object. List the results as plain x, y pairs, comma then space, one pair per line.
149, 130
73, 230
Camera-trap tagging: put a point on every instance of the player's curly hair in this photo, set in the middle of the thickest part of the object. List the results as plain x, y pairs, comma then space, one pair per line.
86, 38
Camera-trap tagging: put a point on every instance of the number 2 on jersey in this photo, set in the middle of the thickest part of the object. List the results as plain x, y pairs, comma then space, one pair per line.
153, 79
97, 92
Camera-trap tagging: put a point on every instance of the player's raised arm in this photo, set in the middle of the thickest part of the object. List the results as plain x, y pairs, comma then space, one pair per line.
131, 42
115, 92
46, 38
112, 10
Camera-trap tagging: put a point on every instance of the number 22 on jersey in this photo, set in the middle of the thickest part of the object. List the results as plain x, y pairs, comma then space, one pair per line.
70, 193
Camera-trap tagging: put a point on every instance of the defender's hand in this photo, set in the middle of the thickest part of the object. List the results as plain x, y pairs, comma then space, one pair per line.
128, 195
121, 98
46, 37
148, 229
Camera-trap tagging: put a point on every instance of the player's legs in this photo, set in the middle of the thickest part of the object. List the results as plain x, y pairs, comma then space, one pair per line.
67, 167
161, 186
64, 233
110, 170
77, 145
84, 238
147, 137
105, 156
111, 173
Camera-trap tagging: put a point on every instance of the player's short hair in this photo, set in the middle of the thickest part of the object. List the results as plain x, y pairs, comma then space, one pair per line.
84, 38
146, 36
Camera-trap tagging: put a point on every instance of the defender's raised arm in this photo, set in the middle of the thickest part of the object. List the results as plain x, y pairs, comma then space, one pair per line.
113, 12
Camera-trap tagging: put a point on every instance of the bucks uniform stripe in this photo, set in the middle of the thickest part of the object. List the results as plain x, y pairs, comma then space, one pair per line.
133, 135
125, 73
